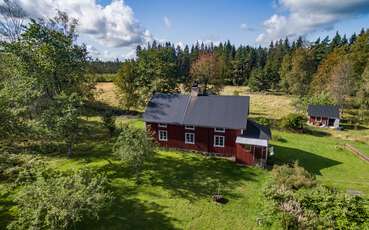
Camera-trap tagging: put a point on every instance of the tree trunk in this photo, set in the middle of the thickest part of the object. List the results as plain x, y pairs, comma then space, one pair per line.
69, 149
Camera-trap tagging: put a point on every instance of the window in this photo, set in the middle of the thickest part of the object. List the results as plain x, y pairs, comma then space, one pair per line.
318, 118
190, 127
189, 138
163, 135
219, 130
218, 141
162, 125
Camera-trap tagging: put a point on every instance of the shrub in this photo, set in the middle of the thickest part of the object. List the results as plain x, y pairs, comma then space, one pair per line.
133, 147
61, 202
264, 121
109, 122
293, 121
302, 205
293, 177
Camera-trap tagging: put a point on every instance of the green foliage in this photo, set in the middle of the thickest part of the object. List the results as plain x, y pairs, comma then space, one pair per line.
133, 147
303, 205
61, 119
61, 201
258, 80
292, 177
301, 103
293, 121
206, 71
108, 120
128, 87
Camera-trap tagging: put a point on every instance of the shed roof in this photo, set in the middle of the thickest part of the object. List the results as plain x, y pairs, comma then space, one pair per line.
206, 111
257, 131
332, 111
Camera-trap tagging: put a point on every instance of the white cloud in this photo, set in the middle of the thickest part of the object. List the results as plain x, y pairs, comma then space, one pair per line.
305, 16
167, 22
245, 27
112, 25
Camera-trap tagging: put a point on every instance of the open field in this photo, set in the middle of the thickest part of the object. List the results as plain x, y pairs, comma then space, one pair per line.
175, 188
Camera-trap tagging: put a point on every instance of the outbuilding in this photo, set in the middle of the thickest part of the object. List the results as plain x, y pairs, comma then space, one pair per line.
324, 115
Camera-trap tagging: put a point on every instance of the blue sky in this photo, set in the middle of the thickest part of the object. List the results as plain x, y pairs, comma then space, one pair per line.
113, 28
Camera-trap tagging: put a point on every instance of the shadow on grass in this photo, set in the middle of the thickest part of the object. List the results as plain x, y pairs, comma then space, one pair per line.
190, 176
316, 132
129, 213
5, 216
99, 108
310, 161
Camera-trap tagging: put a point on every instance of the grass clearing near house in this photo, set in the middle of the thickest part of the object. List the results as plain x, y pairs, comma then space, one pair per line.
175, 192
323, 156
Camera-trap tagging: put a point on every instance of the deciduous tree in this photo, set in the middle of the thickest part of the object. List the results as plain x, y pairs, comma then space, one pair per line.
206, 71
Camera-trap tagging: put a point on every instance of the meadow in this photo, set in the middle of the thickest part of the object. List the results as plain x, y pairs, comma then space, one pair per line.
174, 190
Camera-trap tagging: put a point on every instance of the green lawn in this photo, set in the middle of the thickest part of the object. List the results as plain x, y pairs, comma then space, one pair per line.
175, 189
323, 156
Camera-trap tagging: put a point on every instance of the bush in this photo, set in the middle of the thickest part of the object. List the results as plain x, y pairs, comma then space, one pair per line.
109, 122
133, 147
293, 121
61, 202
263, 121
300, 204
294, 177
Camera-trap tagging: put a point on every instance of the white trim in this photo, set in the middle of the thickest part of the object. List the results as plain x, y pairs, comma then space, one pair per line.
189, 142
162, 125
189, 127
166, 135
222, 137
219, 130
252, 141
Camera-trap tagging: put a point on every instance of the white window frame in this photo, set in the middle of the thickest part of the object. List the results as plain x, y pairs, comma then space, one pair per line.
190, 127
160, 137
189, 142
219, 130
162, 125
215, 143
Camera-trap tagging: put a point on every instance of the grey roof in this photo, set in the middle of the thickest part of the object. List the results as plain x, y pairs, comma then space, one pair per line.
205, 111
257, 131
166, 108
332, 111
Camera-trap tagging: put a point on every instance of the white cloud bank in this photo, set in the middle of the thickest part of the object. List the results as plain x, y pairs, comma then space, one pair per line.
306, 16
112, 26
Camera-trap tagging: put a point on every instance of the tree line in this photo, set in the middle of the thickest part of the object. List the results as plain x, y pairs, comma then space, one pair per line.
332, 71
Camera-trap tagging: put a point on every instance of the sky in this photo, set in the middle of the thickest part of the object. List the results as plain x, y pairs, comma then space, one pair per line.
113, 28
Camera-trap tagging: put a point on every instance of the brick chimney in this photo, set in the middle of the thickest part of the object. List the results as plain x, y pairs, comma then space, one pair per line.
195, 90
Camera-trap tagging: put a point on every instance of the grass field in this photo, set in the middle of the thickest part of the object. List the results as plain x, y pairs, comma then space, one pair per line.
175, 188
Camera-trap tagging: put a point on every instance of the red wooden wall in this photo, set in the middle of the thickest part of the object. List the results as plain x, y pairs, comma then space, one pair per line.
204, 138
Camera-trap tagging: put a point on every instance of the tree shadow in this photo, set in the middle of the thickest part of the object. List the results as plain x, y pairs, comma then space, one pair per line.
310, 161
195, 177
98, 108
5, 216
315, 132
130, 213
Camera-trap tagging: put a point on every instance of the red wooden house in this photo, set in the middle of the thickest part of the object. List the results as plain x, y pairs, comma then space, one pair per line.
324, 115
212, 124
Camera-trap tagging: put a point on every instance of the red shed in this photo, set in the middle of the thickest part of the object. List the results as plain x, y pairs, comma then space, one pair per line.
212, 124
